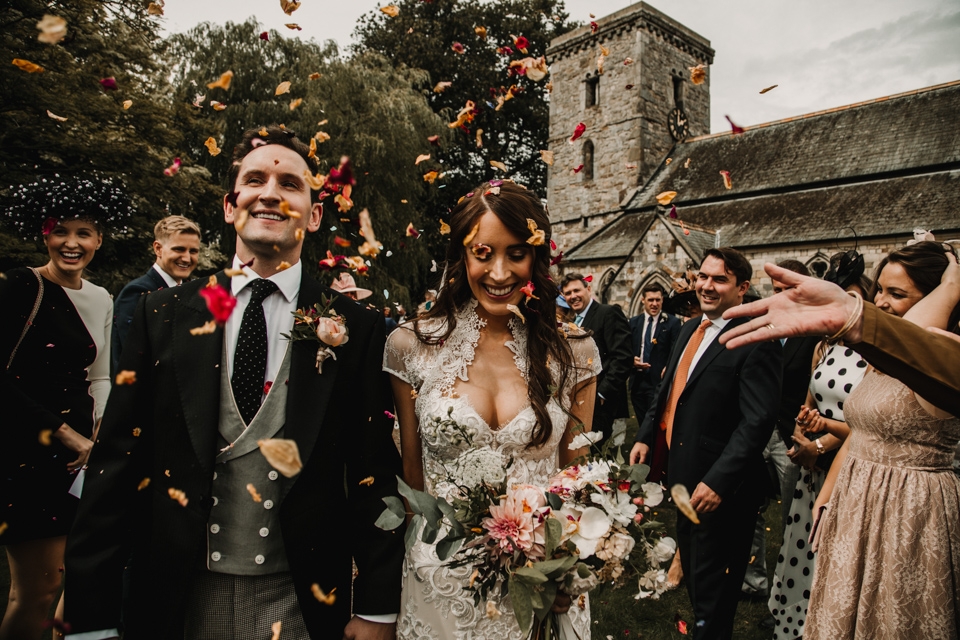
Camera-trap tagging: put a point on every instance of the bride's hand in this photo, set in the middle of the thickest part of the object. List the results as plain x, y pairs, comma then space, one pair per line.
561, 604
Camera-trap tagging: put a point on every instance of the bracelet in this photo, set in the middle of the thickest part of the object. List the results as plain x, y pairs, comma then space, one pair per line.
820, 449
852, 320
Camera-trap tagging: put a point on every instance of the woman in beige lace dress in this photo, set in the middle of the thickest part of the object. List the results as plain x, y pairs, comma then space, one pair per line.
888, 565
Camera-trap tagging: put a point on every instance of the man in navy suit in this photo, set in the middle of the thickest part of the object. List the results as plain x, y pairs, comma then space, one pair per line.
718, 409
654, 333
176, 242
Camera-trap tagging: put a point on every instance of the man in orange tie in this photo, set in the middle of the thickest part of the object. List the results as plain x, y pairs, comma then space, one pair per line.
718, 408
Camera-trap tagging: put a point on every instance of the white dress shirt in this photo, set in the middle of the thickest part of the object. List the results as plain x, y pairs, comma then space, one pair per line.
583, 314
171, 282
716, 326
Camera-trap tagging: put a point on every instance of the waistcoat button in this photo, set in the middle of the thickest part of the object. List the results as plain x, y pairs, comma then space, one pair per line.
268, 504
259, 559
214, 528
272, 475
215, 556
264, 532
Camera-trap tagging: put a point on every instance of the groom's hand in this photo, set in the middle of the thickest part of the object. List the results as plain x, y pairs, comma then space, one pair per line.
360, 629
638, 455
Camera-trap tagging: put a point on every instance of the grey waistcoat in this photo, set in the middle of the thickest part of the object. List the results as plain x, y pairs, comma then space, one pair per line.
243, 535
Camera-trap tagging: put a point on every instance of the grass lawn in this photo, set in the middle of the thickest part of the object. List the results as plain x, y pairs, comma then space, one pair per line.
616, 614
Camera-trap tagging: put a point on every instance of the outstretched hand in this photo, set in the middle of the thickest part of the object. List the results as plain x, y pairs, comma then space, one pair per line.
809, 307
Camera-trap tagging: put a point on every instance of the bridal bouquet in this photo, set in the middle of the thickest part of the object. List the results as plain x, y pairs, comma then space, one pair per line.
579, 531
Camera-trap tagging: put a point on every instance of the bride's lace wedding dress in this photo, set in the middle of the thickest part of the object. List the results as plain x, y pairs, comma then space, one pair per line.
434, 604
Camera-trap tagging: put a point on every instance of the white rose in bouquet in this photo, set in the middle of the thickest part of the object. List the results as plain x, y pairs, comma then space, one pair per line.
662, 551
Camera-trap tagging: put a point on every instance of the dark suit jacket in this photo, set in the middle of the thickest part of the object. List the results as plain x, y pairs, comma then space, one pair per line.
797, 367
611, 332
924, 361
665, 333
164, 428
724, 416
123, 308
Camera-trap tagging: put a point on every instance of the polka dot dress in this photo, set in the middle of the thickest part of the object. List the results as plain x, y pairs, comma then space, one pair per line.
834, 378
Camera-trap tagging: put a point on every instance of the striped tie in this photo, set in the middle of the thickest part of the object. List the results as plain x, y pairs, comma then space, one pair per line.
680, 379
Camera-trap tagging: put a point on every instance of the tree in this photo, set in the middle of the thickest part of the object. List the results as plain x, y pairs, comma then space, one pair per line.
369, 110
65, 120
470, 44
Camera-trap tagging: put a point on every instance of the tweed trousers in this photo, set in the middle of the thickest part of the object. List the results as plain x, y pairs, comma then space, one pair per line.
230, 607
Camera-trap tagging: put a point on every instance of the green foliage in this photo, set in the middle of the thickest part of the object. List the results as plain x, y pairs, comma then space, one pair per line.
421, 37
372, 113
104, 39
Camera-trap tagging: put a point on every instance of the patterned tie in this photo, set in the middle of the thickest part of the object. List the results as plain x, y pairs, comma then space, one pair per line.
647, 340
250, 358
680, 379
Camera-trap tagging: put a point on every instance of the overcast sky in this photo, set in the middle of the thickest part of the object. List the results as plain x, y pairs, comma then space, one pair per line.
821, 53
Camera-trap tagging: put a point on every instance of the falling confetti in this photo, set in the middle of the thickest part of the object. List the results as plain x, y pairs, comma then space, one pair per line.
211, 145
295, 103
770, 88
26, 65
578, 168
252, 490
391, 10
681, 497
44, 437
440, 87
735, 129
178, 495
421, 158
458, 48
412, 231
481, 32
283, 455
127, 104
155, 8
289, 6
324, 598
293, 26
444, 228
538, 236
220, 303
109, 84
546, 156
126, 377
496, 164
276, 627
367, 482
282, 88
470, 236
143, 484
265, 36
223, 83
726, 179
53, 29
514, 309
578, 131
208, 327
666, 197
698, 74
173, 169
55, 116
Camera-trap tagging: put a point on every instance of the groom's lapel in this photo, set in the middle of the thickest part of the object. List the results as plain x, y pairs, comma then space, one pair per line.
309, 392
198, 369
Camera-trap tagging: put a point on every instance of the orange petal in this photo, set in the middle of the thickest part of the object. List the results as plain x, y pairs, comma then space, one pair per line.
496, 164
282, 88
224, 82
546, 156
178, 495
391, 10
287, 211
666, 197
212, 147
143, 484
444, 228
440, 87
127, 104
470, 236
295, 103
366, 482
51, 114
321, 136
126, 377
289, 6
27, 66
421, 158
324, 598
208, 327
770, 88
698, 74
315, 76
283, 455
293, 26
252, 490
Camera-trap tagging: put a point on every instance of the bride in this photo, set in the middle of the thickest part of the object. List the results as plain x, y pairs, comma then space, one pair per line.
474, 354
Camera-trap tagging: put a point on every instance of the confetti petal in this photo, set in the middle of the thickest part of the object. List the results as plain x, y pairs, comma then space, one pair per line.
479, 138
431, 176
470, 236
155, 8
293, 26
514, 309
109, 84
593, 26
770, 88
324, 598
276, 627
458, 48
143, 484
44, 437
698, 74
412, 231
53, 29
282, 88
681, 497
289, 6
367, 482
178, 495
546, 156
173, 169
578, 168
391, 10
127, 104
208, 327
444, 228
283, 455
295, 103
734, 128
421, 158
578, 131
51, 114
26, 65
440, 87
370, 247
538, 236
211, 145
496, 164
666, 197
265, 36
434, 140
126, 377
726, 179
321, 136
223, 83
252, 490
481, 32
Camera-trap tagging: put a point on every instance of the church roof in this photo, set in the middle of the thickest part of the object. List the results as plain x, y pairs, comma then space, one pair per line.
880, 167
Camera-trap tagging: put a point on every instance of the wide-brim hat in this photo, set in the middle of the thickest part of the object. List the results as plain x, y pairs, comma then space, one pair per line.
344, 283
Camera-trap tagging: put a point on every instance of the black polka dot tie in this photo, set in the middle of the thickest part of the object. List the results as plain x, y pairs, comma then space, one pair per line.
250, 357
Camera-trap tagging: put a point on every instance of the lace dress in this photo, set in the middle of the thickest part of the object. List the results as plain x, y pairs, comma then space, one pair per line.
434, 604
889, 561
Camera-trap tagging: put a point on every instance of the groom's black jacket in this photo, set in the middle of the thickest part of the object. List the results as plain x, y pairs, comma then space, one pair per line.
164, 428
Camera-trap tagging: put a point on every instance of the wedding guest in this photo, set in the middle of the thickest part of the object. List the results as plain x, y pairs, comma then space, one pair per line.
55, 344
224, 544
176, 244
611, 332
819, 430
718, 408
890, 504
388, 319
923, 359
344, 284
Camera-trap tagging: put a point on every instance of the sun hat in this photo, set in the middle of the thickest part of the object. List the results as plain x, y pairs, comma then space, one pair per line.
344, 283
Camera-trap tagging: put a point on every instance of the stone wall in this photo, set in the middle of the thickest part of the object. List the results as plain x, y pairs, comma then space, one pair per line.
627, 128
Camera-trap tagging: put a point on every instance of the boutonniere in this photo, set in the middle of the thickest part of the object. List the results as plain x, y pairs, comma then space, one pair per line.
322, 325
653, 341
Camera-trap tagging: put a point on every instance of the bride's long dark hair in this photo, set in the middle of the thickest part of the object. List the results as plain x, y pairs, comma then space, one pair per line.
514, 205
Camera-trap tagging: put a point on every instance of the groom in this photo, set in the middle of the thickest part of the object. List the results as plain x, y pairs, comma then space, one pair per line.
223, 546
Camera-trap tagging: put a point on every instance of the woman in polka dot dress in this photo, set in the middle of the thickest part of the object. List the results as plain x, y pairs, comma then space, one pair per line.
820, 429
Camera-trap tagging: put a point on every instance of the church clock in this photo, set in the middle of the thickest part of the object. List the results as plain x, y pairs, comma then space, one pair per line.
677, 123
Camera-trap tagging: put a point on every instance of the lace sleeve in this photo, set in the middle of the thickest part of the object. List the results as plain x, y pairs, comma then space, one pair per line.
586, 359
402, 345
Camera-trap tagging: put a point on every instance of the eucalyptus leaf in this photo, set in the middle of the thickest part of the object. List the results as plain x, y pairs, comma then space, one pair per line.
451, 514
393, 516
583, 571
548, 593
555, 502
410, 537
529, 575
421, 502
448, 546
520, 596
555, 568
553, 532
639, 472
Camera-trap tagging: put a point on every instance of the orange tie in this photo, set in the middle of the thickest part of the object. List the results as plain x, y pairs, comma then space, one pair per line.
680, 379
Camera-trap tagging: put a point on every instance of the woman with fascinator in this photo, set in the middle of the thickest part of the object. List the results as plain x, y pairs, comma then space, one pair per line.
55, 345
488, 354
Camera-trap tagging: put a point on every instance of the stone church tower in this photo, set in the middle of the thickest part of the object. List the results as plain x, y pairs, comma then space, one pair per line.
634, 112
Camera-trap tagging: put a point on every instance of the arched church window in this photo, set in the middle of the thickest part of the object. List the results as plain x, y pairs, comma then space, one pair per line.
588, 160
678, 92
